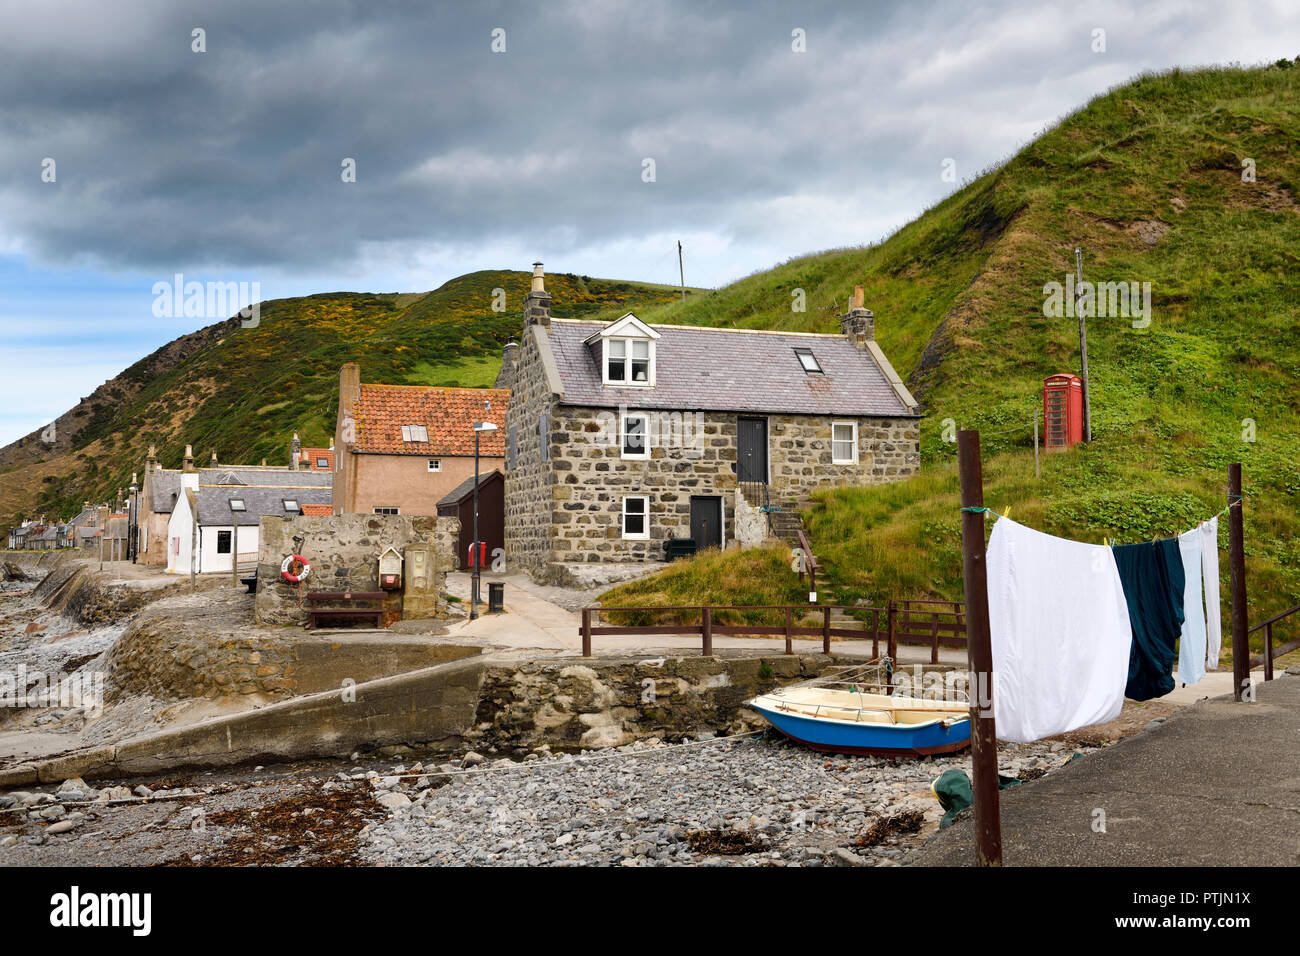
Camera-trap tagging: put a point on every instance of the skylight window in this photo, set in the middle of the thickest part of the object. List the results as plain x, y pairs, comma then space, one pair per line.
808, 360
415, 433
237, 504
291, 505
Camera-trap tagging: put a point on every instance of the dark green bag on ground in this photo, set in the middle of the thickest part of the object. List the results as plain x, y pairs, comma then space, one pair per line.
953, 789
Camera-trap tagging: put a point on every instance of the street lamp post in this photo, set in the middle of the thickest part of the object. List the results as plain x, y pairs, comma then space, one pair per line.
474, 556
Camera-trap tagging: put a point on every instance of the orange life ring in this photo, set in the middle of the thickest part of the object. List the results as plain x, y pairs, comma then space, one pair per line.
295, 568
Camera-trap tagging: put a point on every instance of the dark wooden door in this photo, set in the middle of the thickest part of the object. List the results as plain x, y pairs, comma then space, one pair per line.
751, 459
706, 521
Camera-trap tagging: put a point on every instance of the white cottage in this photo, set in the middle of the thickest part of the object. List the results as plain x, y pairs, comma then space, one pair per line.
216, 502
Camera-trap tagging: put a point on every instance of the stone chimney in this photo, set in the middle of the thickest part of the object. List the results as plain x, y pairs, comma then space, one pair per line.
189, 459
859, 324
212, 462
295, 452
151, 460
537, 307
331, 444
509, 359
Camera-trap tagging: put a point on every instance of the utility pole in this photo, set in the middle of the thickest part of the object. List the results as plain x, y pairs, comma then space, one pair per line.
1037, 474
1083, 344
681, 271
979, 653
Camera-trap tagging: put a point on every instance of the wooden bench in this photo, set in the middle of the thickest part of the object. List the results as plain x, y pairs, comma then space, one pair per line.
360, 605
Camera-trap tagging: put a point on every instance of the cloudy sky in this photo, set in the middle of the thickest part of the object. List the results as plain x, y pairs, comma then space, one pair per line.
488, 135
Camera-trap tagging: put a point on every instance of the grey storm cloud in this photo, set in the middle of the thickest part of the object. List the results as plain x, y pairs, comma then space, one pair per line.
168, 158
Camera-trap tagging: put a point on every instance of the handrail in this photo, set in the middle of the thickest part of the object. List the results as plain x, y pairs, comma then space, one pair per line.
1274, 619
1271, 652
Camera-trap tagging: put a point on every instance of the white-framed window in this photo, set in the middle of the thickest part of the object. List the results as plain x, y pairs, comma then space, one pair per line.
435, 464
636, 518
629, 362
415, 433
844, 443
634, 435
388, 511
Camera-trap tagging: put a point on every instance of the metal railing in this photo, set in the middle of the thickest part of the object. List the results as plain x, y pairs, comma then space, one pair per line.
1271, 652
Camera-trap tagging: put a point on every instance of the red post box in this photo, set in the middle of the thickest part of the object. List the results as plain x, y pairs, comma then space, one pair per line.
1062, 411
482, 555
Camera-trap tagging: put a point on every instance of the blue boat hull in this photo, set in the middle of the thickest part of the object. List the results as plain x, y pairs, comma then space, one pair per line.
871, 739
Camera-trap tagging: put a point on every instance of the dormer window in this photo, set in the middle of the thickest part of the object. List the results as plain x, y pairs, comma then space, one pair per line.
628, 349
415, 433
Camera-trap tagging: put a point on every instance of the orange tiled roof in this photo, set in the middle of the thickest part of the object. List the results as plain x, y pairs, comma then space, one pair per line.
319, 510
448, 415
310, 455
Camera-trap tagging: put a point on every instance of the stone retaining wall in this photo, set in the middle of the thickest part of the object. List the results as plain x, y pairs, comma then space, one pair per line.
344, 551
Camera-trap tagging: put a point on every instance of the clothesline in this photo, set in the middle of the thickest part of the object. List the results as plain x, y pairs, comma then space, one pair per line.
1233, 500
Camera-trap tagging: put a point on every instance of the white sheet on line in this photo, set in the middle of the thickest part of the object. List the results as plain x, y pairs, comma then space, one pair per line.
1210, 573
1060, 633
1191, 642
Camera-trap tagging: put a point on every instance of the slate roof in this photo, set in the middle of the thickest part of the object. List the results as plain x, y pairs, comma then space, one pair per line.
732, 370
162, 486
271, 476
214, 502
459, 493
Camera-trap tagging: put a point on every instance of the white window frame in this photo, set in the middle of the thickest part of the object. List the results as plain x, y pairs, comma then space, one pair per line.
409, 433
622, 436
628, 343
645, 516
853, 459
435, 464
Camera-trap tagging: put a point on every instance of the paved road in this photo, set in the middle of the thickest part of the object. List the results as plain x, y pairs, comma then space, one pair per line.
1215, 784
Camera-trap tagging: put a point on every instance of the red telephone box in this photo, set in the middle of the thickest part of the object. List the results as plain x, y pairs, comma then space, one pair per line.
1062, 411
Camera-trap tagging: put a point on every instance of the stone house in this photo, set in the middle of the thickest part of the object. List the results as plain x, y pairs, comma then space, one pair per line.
622, 435
399, 449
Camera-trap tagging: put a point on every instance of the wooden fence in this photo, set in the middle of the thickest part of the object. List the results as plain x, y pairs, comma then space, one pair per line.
1271, 652
928, 623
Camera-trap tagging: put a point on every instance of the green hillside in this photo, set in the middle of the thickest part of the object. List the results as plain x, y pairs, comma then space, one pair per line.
1148, 181
247, 390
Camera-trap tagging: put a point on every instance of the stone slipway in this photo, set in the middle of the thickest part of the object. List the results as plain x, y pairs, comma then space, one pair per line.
1215, 784
430, 705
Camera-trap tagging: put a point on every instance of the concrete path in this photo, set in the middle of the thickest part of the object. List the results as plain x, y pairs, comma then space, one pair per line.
1215, 784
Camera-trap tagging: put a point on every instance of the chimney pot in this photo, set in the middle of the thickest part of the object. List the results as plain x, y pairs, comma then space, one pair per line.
537, 307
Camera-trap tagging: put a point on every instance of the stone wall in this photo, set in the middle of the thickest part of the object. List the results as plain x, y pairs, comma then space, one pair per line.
529, 480
343, 551
591, 478
174, 658
608, 702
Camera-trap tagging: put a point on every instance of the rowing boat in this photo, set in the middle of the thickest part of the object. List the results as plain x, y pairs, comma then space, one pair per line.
847, 721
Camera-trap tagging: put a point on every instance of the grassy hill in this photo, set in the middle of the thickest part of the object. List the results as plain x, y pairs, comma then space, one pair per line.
245, 391
1147, 180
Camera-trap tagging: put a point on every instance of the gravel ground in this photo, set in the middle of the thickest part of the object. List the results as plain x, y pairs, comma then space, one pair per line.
746, 802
